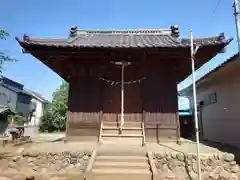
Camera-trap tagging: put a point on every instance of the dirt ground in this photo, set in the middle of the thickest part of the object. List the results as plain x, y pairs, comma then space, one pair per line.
187, 146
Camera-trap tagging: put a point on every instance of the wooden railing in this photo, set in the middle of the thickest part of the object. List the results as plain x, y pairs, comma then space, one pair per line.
143, 135
143, 128
101, 125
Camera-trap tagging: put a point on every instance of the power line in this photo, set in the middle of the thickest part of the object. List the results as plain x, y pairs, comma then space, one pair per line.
217, 6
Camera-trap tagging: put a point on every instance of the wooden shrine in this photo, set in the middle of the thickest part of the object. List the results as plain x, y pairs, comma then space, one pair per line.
122, 77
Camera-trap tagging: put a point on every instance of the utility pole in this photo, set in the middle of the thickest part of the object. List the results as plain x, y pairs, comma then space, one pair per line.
193, 53
236, 15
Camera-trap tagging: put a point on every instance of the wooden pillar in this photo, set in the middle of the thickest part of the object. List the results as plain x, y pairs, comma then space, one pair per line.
84, 106
178, 129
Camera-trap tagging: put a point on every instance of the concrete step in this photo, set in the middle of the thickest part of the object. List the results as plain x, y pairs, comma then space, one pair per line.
121, 165
121, 135
122, 141
124, 131
121, 150
142, 159
120, 174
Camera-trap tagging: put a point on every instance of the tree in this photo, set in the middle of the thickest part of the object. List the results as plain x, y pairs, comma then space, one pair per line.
54, 118
3, 56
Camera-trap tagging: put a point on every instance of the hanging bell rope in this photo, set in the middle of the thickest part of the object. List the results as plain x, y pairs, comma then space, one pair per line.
112, 83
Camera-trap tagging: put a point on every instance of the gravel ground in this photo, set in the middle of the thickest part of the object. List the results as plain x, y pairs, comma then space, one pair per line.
186, 147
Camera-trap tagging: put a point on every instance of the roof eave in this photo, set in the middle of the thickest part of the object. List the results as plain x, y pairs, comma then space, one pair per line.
64, 43
185, 91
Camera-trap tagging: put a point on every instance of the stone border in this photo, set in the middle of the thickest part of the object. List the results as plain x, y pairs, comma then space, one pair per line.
181, 166
32, 164
88, 172
152, 165
91, 161
41, 176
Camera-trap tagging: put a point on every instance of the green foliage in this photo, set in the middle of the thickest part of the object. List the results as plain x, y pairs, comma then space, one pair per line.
17, 120
3, 56
54, 118
3, 34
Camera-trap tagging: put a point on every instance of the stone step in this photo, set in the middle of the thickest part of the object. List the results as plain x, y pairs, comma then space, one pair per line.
120, 174
122, 150
136, 150
123, 141
125, 159
124, 131
121, 165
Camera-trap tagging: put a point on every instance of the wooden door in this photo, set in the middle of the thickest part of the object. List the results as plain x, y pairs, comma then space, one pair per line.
132, 103
111, 103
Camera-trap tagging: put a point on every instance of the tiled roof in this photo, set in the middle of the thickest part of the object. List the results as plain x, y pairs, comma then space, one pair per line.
123, 39
4, 109
226, 62
37, 95
14, 89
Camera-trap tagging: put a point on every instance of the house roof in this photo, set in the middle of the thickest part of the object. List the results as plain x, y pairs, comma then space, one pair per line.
15, 89
10, 82
216, 69
19, 89
37, 96
225, 63
148, 38
4, 109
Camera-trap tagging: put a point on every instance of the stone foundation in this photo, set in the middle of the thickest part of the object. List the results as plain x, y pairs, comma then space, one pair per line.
180, 166
35, 164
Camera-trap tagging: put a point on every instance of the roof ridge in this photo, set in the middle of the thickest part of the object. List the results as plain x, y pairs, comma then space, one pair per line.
130, 31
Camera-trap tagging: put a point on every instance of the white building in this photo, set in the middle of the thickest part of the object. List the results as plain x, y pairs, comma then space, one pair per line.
218, 97
39, 104
21, 101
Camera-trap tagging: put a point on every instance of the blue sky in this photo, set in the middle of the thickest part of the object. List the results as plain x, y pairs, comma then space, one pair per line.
53, 18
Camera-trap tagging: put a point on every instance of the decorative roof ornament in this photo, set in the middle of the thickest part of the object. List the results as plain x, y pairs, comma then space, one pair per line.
25, 37
73, 31
175, 31
221, 37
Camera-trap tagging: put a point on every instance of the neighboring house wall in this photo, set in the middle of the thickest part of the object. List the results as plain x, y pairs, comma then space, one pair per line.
10, 96
221, 118
23, 109
23, 104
